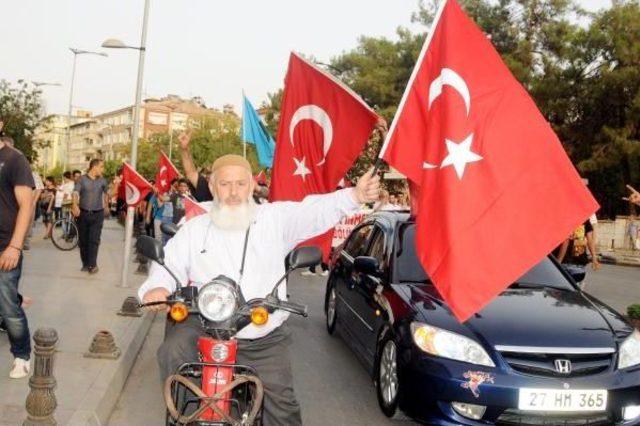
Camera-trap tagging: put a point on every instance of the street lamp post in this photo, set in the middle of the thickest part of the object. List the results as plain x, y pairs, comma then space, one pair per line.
117, 44
75, 52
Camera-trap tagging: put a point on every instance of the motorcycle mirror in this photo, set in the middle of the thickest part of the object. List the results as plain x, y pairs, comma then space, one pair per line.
304, 257
170, 229
301, 257
151, 248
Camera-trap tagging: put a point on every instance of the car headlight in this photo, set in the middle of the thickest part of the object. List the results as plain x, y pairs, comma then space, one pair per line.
217, 301
443, 343
630, 351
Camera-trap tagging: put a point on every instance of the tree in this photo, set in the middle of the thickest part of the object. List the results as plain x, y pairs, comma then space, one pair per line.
213, 136
22, 112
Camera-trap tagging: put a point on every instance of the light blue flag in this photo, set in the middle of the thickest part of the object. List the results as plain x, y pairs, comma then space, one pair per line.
255, 132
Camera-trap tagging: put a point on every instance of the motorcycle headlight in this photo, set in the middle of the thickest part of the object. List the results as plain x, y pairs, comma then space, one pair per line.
446, 344
217, 301
630, 351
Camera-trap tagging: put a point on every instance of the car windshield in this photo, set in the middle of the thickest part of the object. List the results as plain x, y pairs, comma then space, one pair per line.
408, 267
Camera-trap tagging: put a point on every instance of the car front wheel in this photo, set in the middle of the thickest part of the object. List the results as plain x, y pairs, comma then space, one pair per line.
332, 311
387, 384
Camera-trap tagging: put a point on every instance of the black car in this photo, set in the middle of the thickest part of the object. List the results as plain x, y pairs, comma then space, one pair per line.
543, 352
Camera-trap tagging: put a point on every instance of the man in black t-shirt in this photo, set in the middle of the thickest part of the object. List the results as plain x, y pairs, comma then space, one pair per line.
16, 211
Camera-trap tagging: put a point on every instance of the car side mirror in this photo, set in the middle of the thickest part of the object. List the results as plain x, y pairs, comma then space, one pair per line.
304, 257
170, 229
151, 248
367, 265
578, 273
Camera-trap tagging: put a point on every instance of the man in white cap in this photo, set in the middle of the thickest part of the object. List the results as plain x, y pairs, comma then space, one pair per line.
213, 244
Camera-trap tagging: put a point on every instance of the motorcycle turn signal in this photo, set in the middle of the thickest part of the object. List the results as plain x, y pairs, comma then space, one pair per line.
259, 315
179, 312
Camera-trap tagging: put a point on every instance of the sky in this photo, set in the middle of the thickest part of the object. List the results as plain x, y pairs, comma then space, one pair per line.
209, 48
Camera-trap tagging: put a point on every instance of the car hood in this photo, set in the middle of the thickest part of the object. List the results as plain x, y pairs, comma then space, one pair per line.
526, 317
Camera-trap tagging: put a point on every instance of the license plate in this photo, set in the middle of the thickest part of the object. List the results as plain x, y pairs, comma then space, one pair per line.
562, 400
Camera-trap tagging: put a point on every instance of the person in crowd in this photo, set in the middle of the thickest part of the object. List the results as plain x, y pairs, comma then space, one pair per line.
633, 232
154, 214
167, 207
47, 202
76, 174
16, 211
177, 200
145, 209
198, 181
634, 196
573, 251
90, 199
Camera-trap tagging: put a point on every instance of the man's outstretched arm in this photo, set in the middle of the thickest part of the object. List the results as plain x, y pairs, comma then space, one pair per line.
316, 214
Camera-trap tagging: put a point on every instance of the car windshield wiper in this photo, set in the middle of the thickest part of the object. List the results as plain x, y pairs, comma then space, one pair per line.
535, 286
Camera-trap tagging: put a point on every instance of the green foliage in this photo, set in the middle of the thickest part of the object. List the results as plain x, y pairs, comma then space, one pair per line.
212, 137
22, 112
585, 78
633, 311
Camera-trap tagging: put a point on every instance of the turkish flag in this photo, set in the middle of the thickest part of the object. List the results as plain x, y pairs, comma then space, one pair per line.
166, 173
497, 191
323, 128
136, 187
192, 209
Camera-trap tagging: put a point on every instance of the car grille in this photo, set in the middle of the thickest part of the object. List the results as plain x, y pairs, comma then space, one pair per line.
523, 418
541, 364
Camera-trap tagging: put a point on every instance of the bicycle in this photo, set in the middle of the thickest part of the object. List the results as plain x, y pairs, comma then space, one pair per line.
64, 234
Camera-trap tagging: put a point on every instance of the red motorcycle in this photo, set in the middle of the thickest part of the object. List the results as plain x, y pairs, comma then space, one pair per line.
216, 390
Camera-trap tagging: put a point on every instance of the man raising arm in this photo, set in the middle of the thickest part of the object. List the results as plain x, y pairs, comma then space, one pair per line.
198, 182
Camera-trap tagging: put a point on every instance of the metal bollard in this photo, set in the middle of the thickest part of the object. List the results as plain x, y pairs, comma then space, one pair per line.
41, 401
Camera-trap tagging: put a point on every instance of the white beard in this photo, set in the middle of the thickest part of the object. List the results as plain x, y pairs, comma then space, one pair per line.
233, 219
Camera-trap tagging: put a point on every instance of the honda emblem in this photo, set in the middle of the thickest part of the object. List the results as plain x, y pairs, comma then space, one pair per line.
563, 366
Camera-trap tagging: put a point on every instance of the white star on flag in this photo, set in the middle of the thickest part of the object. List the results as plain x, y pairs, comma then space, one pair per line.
460, 155
301, 168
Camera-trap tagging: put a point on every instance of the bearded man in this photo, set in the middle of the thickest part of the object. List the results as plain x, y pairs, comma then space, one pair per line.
213, 244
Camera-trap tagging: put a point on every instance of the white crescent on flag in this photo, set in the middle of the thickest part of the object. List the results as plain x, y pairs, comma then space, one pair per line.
320, 116
449, 77
132, 194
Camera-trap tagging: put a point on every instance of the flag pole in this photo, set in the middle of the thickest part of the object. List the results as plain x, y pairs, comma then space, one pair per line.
382, 129
244, 139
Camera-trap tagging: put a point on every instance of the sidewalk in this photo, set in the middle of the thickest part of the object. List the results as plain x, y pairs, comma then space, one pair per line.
77, 305
621, 257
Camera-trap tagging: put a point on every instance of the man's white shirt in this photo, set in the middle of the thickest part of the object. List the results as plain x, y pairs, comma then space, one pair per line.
200, 251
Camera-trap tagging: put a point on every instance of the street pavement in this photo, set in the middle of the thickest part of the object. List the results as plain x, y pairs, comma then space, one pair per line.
331, 385
77, 305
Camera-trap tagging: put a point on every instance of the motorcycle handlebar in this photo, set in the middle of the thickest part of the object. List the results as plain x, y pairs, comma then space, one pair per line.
294, 308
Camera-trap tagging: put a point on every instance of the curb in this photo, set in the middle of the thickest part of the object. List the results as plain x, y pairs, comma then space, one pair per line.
103, 394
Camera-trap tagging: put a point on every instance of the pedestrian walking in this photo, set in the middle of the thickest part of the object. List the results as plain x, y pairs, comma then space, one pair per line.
16, 210
47, 200
90, 199
154, 214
